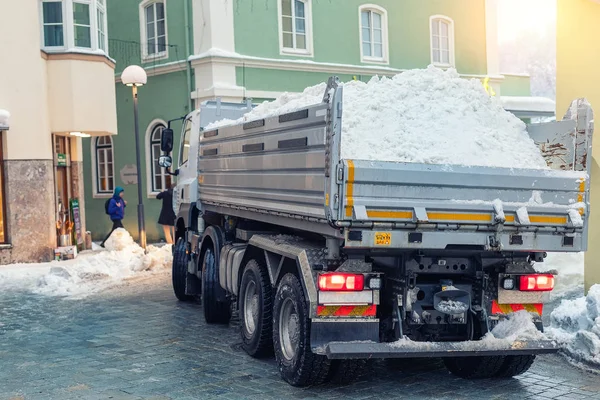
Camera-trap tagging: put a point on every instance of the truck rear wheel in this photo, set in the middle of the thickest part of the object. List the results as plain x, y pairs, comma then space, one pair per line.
474, 367
515, 365
179, 271
298, 365
215, 311
256, 310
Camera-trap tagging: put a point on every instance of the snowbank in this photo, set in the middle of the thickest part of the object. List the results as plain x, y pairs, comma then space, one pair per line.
569, 267
89, 273
425, 116
4, 117
576, 326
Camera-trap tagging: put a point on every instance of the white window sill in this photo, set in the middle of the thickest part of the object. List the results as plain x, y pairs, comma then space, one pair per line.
155, 57
296, 52
440, 65
370, 60
102, 195
5, 246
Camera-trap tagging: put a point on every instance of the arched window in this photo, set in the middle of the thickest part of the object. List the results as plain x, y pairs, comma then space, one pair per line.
442, 40
153, 19
105, 172
373, 33
159, 180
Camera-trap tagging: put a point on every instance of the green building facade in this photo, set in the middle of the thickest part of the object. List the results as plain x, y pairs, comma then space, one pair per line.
197, 50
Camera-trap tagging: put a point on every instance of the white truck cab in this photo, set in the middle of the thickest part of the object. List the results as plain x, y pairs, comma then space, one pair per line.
185, 194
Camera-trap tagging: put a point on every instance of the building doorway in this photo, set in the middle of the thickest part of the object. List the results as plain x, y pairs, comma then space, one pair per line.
63, 186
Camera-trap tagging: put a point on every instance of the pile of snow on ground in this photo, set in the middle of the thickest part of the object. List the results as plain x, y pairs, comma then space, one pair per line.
569, 267
427, 116
89, 273
576, 326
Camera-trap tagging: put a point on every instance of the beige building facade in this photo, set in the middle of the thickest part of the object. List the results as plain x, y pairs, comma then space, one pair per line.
56, 86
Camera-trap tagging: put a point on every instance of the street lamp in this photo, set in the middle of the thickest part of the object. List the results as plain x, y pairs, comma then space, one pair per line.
135, 76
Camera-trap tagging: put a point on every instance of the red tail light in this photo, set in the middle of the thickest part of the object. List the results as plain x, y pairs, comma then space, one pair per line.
341, 282
536, 283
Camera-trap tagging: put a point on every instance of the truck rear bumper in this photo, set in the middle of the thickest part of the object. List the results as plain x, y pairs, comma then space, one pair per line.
410, 349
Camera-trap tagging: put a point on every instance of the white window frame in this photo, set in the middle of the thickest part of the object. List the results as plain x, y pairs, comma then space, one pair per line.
451, 50
92, 27
64, 24
308, 52
69, 27
94, 150
384, 34
143, 33
102, 8
151, 191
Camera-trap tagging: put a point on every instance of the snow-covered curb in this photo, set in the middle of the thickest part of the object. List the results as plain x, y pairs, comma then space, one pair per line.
89, 273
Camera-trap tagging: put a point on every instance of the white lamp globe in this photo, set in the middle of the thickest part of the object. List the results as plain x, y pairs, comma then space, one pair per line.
134, 75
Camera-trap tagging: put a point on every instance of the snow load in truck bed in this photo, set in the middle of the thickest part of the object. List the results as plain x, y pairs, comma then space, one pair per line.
427, 116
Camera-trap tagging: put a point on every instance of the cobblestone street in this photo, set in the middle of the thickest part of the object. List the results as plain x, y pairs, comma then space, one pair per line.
138, 342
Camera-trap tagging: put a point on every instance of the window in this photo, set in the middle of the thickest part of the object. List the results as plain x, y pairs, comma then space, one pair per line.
101, 25
442, 41
159, 178
82, 25
52, 19
373, 34
295, 26
105, 174
185, 142
68, 25
153, 21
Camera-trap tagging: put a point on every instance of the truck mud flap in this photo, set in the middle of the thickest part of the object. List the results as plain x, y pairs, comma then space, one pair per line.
410, 349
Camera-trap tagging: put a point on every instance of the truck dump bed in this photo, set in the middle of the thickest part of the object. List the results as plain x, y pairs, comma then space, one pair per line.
286, 170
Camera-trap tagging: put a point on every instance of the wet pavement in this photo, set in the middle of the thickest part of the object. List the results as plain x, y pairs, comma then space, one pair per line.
139, 342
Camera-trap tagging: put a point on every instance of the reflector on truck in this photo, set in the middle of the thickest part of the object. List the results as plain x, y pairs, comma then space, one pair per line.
347, 311
506, 309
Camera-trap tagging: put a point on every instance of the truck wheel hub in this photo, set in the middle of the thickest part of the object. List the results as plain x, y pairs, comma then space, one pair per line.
289, 324
251, 307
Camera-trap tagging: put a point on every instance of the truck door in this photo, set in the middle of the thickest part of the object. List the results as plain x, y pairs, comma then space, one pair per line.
186, 192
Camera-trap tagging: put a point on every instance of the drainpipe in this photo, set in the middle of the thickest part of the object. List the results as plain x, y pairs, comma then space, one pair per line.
188, 53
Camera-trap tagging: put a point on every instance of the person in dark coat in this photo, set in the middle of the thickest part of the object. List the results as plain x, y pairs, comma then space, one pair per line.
116, 211
167, 215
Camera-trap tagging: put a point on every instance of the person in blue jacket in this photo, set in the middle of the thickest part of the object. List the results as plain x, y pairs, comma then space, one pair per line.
116, 211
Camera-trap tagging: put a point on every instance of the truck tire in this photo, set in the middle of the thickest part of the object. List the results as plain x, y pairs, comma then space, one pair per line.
515, 365
474, 367
297, 364
215, 312
256, 310
179, 271
345, 372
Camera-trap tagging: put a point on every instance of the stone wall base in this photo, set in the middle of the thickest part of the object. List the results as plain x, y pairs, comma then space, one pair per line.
30, 211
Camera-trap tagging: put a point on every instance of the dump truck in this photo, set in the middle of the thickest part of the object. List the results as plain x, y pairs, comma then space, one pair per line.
331, 262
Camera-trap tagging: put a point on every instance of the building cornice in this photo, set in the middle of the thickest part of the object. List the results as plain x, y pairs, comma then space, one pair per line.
239, 60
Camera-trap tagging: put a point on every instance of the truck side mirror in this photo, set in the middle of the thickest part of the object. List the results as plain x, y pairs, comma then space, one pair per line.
165, 161
166, 140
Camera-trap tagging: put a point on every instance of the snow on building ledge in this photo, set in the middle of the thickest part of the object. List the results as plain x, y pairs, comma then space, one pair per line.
4, 117
529, 107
